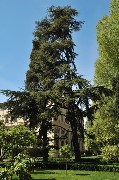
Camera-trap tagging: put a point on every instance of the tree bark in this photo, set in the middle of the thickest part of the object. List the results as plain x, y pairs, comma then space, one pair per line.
76, 146
45, 142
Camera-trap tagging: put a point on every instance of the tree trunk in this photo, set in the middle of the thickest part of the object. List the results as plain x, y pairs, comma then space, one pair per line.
76, 145
45, 143
45, 148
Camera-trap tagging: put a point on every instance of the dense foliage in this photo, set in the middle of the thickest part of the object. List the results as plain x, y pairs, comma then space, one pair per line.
105, 130
52, 78
15, 140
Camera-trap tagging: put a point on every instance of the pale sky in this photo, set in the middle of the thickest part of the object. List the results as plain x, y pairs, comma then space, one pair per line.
17, 24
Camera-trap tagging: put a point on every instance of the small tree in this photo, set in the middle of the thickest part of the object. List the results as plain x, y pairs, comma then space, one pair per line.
111, 153
65, 151
16, 139
21, 167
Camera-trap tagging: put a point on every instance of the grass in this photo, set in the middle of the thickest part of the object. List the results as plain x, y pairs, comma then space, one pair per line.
74, 175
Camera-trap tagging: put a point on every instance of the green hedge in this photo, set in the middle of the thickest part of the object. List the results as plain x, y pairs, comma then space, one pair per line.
76, 166
83, 160
54, 159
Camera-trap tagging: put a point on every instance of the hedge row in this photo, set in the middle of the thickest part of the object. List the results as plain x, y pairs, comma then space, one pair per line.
70, 166
83, 160
76, 166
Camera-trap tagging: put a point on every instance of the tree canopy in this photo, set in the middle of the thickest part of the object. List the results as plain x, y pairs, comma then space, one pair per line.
106, 128
107, 65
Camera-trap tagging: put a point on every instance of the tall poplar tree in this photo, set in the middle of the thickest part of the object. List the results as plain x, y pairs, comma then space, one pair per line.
107, 74
107, 65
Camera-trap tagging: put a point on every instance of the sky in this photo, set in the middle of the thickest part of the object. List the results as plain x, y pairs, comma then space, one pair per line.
17, 24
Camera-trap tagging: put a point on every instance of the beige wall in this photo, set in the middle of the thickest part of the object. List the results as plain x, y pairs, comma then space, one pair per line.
60, 130
8, 121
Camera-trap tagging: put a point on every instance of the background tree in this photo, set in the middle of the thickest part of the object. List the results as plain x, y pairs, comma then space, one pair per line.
106, 73
107, 65
2, 133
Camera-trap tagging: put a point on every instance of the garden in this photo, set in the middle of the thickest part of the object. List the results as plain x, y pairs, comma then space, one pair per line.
52, 85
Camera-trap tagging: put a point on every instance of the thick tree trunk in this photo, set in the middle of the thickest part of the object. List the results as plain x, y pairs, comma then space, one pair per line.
75, 138
45, 148
76, 147
45, 143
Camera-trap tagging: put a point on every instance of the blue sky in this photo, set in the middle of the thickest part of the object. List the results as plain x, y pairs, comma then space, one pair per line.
17, 24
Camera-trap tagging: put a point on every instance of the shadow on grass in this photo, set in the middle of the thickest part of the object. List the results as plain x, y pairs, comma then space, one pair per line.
46, 179
43, 172
83, 174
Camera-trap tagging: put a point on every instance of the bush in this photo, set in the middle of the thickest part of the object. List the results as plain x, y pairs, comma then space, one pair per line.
5, 174
65, 151
111, 153
22, 167
53, 153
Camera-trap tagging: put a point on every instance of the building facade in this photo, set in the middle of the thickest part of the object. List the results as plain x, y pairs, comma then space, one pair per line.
59, 135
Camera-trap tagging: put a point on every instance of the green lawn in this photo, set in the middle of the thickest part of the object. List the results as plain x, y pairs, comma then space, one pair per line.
74, 175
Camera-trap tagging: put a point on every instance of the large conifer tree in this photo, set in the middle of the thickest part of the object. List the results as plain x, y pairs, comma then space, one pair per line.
52, 77
52, 81
52, 71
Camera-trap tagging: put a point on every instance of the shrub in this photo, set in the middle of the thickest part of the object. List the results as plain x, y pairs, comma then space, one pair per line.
53, 153
22, 167
5, 174
111, 153
65, 151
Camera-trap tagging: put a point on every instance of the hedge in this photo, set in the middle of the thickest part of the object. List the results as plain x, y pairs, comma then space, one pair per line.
75, 166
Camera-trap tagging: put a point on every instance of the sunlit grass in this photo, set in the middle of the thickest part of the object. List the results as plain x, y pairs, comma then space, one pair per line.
74, 175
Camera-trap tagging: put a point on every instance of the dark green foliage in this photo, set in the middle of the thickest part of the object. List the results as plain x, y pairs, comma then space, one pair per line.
52, 72
21, 104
